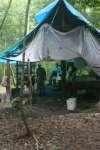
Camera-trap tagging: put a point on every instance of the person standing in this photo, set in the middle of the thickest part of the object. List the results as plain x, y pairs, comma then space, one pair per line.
41, 77
55, 72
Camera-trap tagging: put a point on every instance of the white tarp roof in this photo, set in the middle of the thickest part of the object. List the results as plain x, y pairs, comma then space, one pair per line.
52, 44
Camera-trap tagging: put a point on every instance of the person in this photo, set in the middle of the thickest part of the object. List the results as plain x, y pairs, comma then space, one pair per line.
71, 70
33, 80
55, 72
41, 77
73, 73
26, 90
53, 77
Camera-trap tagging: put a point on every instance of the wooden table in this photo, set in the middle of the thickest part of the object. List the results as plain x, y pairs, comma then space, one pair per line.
74, 86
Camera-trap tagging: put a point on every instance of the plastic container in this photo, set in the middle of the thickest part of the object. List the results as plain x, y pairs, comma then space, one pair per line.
71, 104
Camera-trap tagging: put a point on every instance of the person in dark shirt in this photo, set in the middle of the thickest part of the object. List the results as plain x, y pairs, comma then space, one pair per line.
33, 81
73, 73
41, 77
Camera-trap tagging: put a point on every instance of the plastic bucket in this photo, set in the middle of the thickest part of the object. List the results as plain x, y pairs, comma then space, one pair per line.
71, 104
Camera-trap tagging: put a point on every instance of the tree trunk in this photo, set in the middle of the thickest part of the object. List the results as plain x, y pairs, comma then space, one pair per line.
23, 54
27, 17
6, 13
30, 82
28, 132
22, 76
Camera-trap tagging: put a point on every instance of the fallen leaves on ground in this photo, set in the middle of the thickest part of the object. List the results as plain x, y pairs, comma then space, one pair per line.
51, 131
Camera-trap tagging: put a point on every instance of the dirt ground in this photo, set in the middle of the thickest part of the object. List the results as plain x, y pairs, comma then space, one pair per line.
52, 129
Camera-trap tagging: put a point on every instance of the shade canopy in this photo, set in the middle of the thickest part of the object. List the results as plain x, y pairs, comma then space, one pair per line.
60, 15
51, 44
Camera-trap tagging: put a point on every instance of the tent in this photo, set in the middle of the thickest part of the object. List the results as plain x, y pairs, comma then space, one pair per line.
62, 34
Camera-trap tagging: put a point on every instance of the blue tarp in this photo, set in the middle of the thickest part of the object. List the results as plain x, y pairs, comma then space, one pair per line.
41, 15
12, 51
15, 49
40, 18
4, 61
44, 13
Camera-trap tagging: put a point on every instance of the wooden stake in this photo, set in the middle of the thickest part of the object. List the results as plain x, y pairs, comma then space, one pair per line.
8, 80
30, 82
17, 83
13, 77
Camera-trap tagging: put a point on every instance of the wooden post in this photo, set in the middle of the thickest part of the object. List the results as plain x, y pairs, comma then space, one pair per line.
17, 83
13, 77
8, 81
30, 82
24, 46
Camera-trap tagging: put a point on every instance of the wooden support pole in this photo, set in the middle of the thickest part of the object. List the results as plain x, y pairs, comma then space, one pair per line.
8, 90
13, 77
30, 82
24, 46
17, 83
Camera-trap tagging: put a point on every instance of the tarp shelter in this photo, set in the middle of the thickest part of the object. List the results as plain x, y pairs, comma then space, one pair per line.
62, 33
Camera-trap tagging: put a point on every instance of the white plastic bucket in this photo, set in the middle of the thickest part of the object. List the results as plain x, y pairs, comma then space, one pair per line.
71, 104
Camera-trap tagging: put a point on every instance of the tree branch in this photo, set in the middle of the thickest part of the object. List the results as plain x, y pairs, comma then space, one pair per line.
27, 17
6, 13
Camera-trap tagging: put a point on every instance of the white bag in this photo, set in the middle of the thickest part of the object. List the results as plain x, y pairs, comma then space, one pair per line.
4, 81
26, 90
35, 86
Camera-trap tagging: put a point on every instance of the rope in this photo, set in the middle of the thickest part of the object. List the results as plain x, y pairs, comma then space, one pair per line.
55, 15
